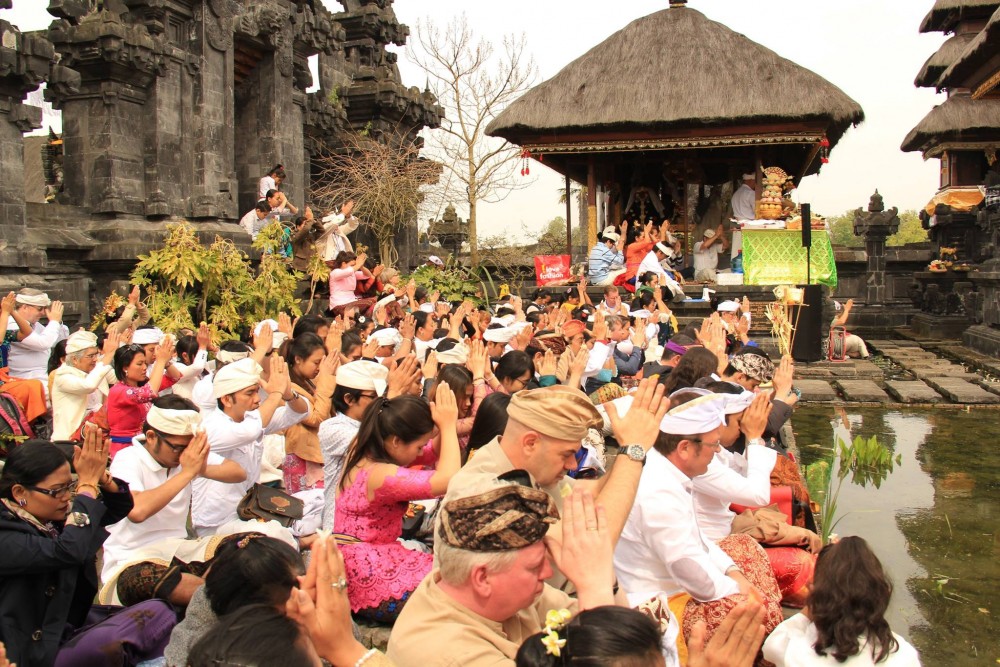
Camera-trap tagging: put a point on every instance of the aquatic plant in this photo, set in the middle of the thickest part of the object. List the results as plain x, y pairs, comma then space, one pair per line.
865, 460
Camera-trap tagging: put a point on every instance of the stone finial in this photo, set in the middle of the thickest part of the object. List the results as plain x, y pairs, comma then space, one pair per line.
875, 204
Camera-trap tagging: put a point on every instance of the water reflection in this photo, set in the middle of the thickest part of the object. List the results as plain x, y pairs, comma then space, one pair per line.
933, 523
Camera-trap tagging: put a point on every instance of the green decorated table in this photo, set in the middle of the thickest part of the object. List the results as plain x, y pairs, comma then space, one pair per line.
776, 257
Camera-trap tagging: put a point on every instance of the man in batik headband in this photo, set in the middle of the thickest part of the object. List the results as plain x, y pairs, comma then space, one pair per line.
149, 553
488, 591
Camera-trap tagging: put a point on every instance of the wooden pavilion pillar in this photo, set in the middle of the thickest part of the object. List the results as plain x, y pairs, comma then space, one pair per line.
591, 203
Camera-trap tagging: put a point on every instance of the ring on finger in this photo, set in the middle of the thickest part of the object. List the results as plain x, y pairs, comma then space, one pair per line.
340, 584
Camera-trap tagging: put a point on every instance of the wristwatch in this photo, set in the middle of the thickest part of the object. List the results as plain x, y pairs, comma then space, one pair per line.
78, 519
635, 452
756, 441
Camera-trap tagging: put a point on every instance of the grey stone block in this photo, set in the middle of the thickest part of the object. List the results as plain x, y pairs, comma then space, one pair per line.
912, 391
816, 390
962, 391
952, 372
862, 390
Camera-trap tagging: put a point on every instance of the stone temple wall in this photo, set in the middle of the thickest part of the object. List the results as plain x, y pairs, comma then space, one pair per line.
174, 109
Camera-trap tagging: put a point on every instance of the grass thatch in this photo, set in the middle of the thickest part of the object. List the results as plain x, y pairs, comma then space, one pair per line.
982, 46
942, 59
945, 14
676, 68
957, 115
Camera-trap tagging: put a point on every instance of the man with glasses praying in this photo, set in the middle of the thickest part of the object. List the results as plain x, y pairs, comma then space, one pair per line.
662, 553
149, 553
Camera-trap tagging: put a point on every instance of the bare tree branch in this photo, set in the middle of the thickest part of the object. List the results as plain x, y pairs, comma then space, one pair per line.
474, 84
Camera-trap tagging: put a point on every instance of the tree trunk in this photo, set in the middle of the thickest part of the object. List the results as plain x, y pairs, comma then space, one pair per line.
473, 240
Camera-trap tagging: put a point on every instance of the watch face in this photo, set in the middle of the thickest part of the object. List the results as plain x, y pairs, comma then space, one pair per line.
636, 452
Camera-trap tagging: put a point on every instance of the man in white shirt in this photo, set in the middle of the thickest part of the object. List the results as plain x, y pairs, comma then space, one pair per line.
744, 199
337, 226
236, 431
159, 467
662, 551
651, 263
29, 356
706, 254
744, 207
255, 220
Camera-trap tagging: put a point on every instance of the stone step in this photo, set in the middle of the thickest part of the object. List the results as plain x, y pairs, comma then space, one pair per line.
912, 391
818, 391
862, 391
953, 371
991, 387
961, 391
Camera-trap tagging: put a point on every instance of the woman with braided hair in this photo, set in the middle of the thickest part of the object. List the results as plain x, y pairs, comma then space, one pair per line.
393, 460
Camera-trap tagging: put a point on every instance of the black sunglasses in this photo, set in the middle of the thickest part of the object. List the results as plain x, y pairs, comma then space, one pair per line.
517, 476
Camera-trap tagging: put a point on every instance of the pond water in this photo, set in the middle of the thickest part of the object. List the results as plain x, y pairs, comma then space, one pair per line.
934, 523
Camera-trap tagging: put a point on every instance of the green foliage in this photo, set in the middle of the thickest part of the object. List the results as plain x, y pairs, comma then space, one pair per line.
453, 281
865, 460
185, 281
910, 230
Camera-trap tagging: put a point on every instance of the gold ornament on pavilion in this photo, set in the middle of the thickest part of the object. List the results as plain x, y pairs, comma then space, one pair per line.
771, 206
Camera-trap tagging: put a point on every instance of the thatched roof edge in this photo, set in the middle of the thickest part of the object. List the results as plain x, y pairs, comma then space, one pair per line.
946, 13
956, 115
951, 50
986, 41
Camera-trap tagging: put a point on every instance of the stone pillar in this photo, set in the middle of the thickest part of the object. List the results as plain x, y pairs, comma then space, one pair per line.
24, 64
104, 120
876, 225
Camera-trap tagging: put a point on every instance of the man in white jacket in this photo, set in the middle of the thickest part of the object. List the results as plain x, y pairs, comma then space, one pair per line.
29, 356
80, 385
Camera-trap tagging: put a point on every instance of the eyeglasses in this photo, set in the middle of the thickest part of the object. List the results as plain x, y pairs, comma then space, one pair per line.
64, 490
717, 445
92, 355
176, 449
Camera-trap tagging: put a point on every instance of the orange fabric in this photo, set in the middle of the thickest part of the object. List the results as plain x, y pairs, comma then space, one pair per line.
634, 254
959, 199
786, 473
793, 569
29, 393
678, 604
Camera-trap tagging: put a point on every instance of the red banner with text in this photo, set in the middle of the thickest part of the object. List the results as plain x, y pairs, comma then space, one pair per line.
550, 269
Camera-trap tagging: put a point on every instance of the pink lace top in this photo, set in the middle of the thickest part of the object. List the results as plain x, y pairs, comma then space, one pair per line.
379, 568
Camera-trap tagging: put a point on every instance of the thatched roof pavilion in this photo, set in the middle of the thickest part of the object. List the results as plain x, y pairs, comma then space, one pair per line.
681, 94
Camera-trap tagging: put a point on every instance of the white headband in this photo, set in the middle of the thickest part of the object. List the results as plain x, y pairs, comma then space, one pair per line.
173, 422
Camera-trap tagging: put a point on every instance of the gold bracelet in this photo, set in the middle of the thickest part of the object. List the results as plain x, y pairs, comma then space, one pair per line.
97, 491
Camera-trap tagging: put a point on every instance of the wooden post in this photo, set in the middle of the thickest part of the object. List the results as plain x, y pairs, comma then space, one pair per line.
591, 203
569, 221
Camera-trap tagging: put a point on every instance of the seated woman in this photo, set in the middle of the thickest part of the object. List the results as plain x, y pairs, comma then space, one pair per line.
346, 269
373, 493
129, 399
490, 421
602, 637
515, 371
468, 385
49, 539
844, 619
248, 569
312, 371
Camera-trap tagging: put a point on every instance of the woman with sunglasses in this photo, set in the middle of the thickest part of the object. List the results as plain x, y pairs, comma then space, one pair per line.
51, 529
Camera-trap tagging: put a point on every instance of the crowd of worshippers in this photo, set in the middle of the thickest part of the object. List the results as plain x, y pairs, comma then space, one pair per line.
532, 483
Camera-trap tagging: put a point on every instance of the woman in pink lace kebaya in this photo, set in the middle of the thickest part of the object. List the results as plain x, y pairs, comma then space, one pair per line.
385, 470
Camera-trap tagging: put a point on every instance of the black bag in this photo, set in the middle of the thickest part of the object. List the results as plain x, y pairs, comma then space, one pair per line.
263, 503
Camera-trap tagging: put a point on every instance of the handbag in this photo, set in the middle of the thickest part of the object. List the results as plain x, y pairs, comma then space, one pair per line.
263, 503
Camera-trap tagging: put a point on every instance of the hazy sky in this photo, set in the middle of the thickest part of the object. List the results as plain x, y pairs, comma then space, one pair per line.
869, 48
